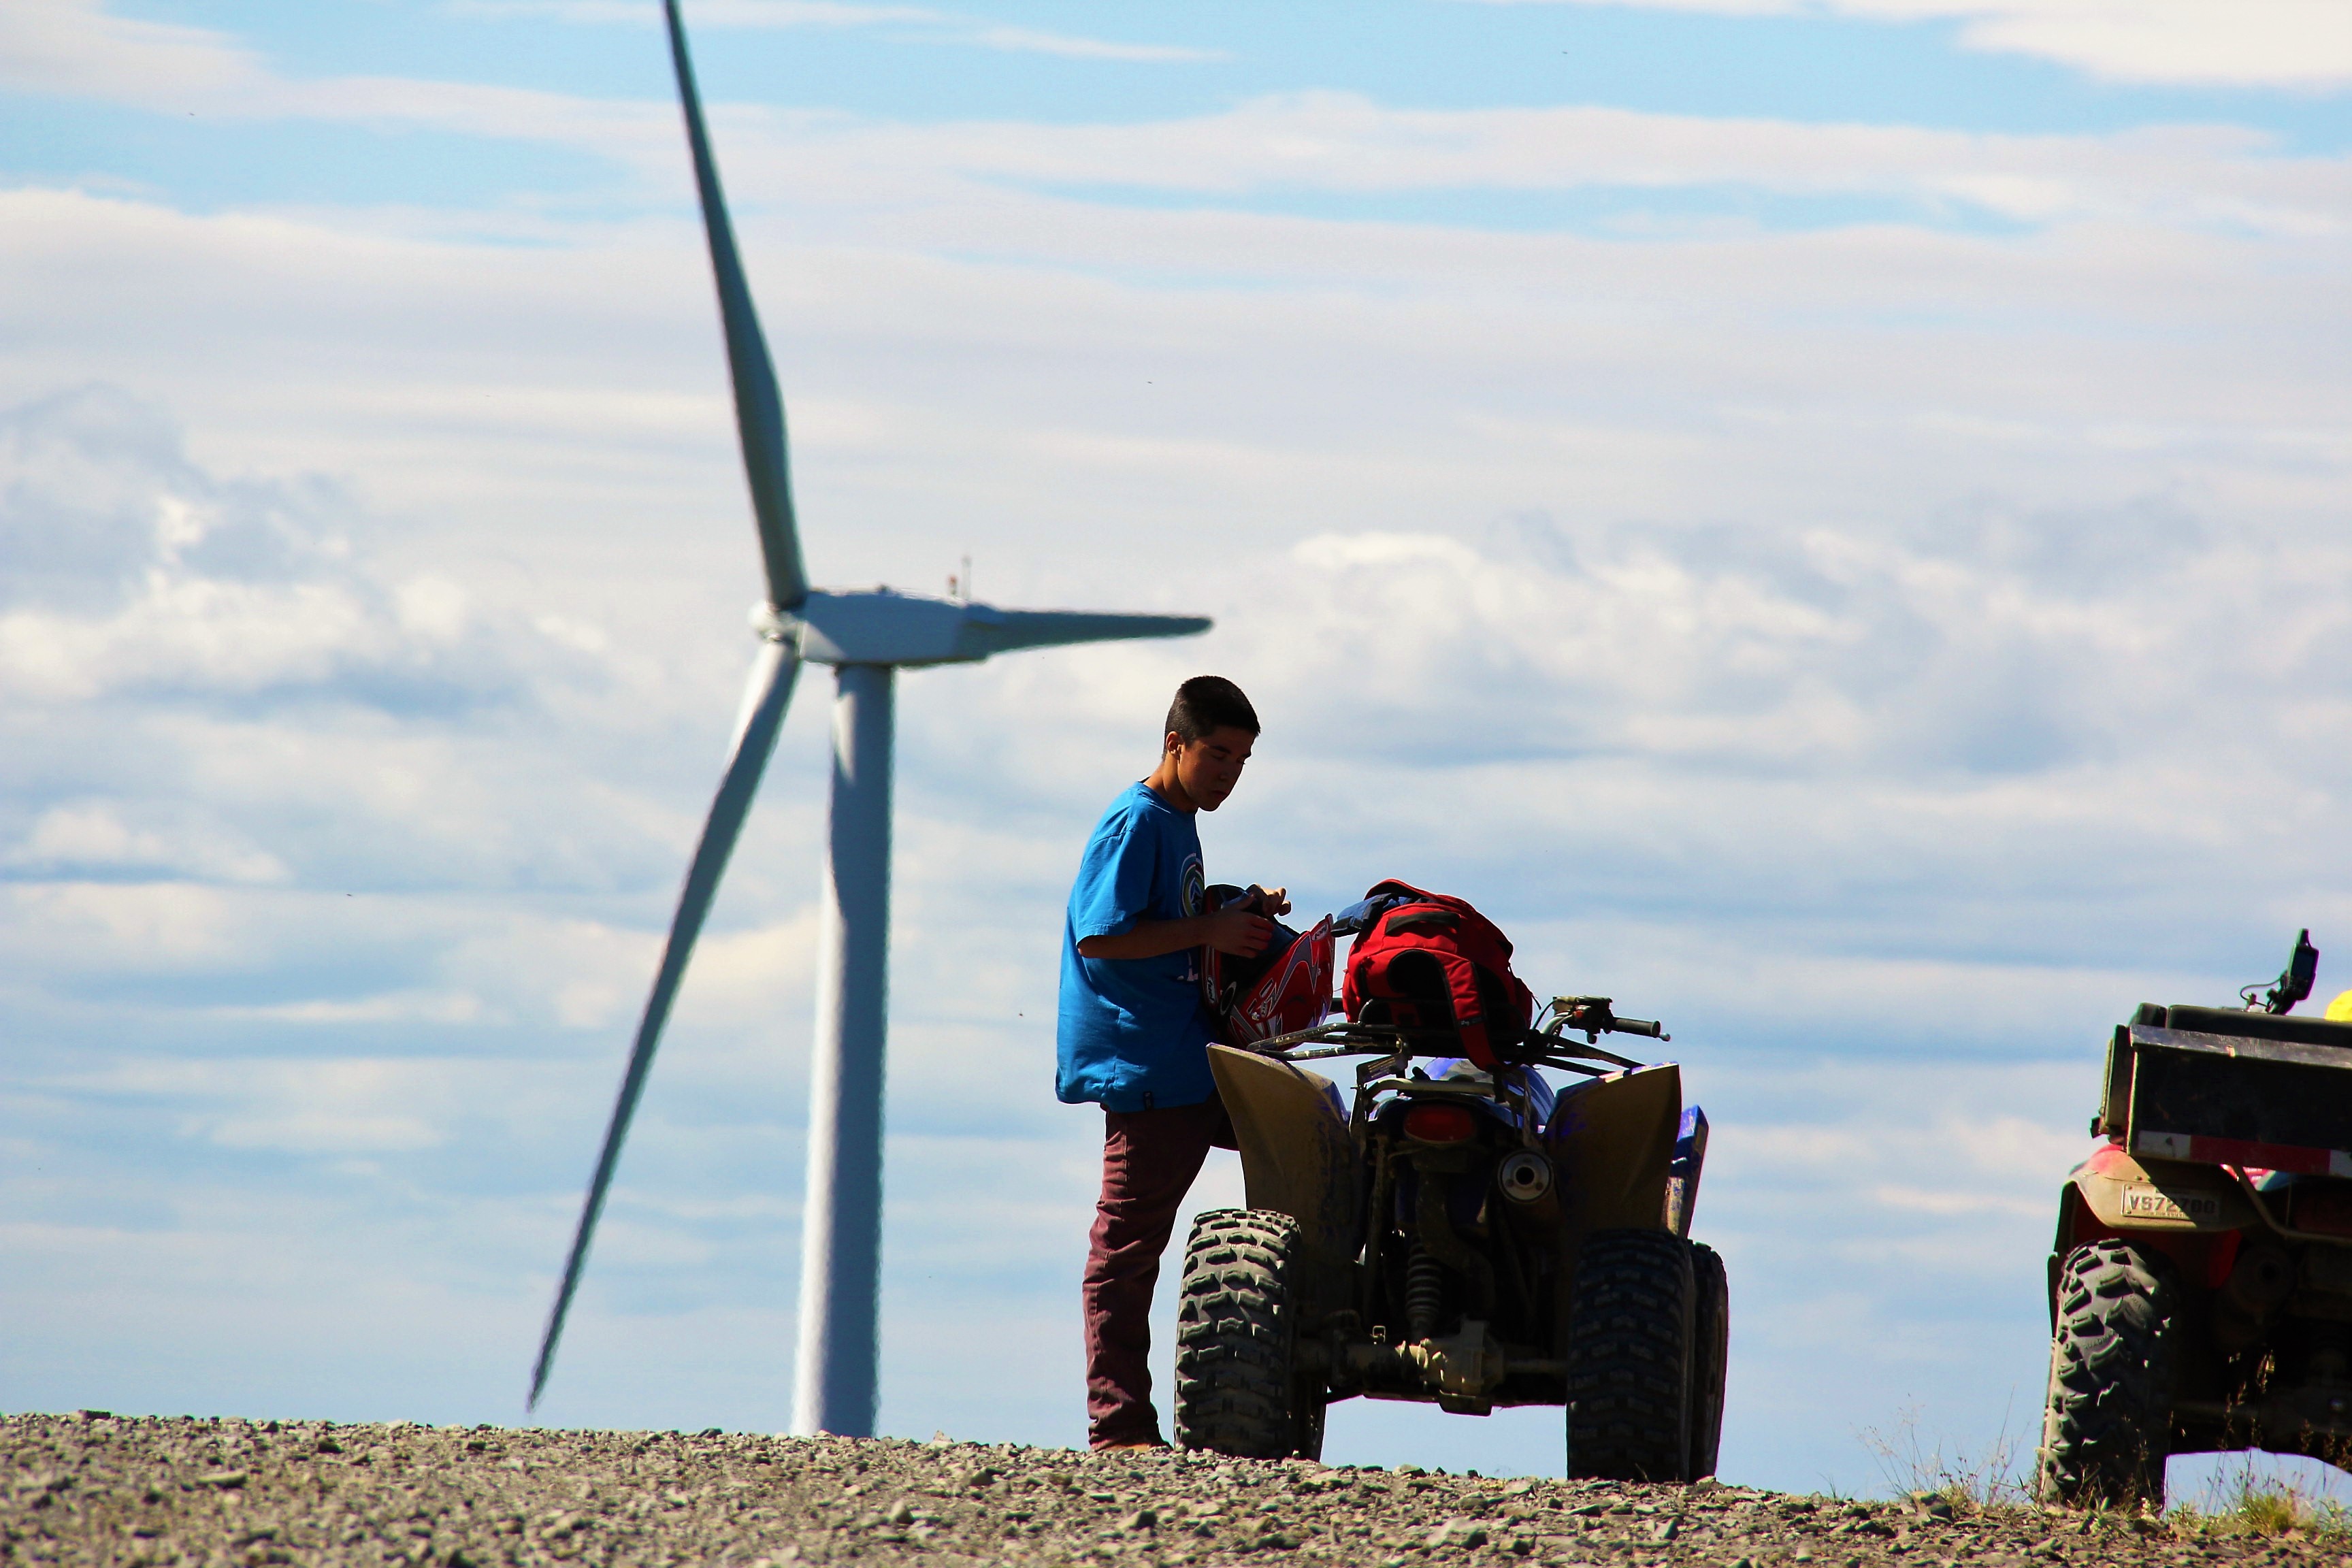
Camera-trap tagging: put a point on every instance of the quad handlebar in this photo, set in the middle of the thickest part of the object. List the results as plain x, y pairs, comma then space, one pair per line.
1546, 1046
1592, 1016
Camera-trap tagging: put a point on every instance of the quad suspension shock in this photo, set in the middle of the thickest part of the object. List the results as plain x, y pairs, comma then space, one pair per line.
1424, 1291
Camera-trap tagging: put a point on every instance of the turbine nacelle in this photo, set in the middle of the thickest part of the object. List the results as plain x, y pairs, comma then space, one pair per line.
882, 625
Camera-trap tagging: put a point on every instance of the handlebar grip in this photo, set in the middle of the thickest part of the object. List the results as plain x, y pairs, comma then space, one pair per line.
1639, 1027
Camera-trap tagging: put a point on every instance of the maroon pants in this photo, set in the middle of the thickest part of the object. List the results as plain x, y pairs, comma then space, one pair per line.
1149, 1158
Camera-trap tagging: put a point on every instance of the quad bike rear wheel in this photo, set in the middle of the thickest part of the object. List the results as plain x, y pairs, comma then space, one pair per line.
1238, 1387
1711, 1357
1631, 1336
2107, 1429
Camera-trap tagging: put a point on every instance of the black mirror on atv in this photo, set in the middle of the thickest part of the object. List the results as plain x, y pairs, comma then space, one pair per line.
2293, 984
2302, 970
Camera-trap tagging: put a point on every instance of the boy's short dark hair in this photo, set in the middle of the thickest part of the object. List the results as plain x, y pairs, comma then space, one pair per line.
1205, 703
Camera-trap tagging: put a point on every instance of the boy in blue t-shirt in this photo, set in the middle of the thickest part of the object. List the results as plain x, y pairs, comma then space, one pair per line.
1134, 1033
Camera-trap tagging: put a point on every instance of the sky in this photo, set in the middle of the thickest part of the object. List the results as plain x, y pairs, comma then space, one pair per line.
1824, 517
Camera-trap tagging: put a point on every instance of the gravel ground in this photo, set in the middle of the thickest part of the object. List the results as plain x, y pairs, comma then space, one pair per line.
93, 1488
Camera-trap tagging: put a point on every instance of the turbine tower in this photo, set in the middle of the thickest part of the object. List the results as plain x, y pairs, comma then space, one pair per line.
867, 637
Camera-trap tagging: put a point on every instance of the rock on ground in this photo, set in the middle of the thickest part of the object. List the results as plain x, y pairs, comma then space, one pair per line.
93, 1488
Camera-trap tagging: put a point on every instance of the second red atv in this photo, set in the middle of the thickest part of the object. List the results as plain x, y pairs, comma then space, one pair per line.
2200, 1284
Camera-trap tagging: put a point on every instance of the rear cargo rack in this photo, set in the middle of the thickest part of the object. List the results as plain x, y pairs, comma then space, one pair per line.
2230, 1100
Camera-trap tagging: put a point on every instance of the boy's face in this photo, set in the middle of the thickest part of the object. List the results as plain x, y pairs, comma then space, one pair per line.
1212, 765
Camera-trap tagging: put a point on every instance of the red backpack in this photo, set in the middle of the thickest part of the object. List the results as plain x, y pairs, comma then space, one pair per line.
1429, 962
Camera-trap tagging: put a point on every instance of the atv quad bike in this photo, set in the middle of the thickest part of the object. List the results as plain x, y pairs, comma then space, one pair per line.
2200, 1285
1462, 1236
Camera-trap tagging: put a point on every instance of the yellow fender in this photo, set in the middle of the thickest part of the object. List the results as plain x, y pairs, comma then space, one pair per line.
1611, 1142
1297, 1156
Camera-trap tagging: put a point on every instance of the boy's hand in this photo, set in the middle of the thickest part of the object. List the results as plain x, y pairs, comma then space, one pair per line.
1277, 901
1238, 932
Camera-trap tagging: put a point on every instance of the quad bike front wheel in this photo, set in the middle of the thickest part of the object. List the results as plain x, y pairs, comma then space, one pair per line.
1632, 1333
2108, 1427
1711, 1357
1238, 1387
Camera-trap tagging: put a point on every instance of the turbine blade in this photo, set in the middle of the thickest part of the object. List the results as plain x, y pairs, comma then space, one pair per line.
765, 698
759, 407
987, 630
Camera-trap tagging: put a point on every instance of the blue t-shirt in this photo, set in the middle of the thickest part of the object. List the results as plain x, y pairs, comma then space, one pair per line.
1133, 1031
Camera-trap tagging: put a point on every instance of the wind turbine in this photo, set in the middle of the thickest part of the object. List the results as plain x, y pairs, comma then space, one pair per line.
868, 636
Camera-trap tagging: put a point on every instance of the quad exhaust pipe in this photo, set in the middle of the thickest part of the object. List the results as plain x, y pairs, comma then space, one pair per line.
1525, 1176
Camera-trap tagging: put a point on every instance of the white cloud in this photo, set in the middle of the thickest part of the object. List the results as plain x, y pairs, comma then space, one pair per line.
78, 47
592, 975
2210, 176
2274, 43
308, 1131
67, 929
1029, 40
1960, 1201
1328, 141
914, 23
95, 836
1988, 645
2293, 44
707, 14
215, 634
423, 1008
140, 572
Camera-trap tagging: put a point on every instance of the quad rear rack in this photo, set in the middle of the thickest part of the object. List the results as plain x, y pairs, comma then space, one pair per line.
2219, 1087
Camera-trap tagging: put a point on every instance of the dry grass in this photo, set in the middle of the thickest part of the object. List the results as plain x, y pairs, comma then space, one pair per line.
2254, 1500
1995, 1478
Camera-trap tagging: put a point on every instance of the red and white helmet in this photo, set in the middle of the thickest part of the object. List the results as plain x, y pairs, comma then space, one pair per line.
1283, 989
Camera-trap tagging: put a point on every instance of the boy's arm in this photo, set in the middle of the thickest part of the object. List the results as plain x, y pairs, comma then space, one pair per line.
1237, 932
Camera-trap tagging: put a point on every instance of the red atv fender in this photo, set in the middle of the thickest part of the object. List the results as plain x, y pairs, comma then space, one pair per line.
2193, 1213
